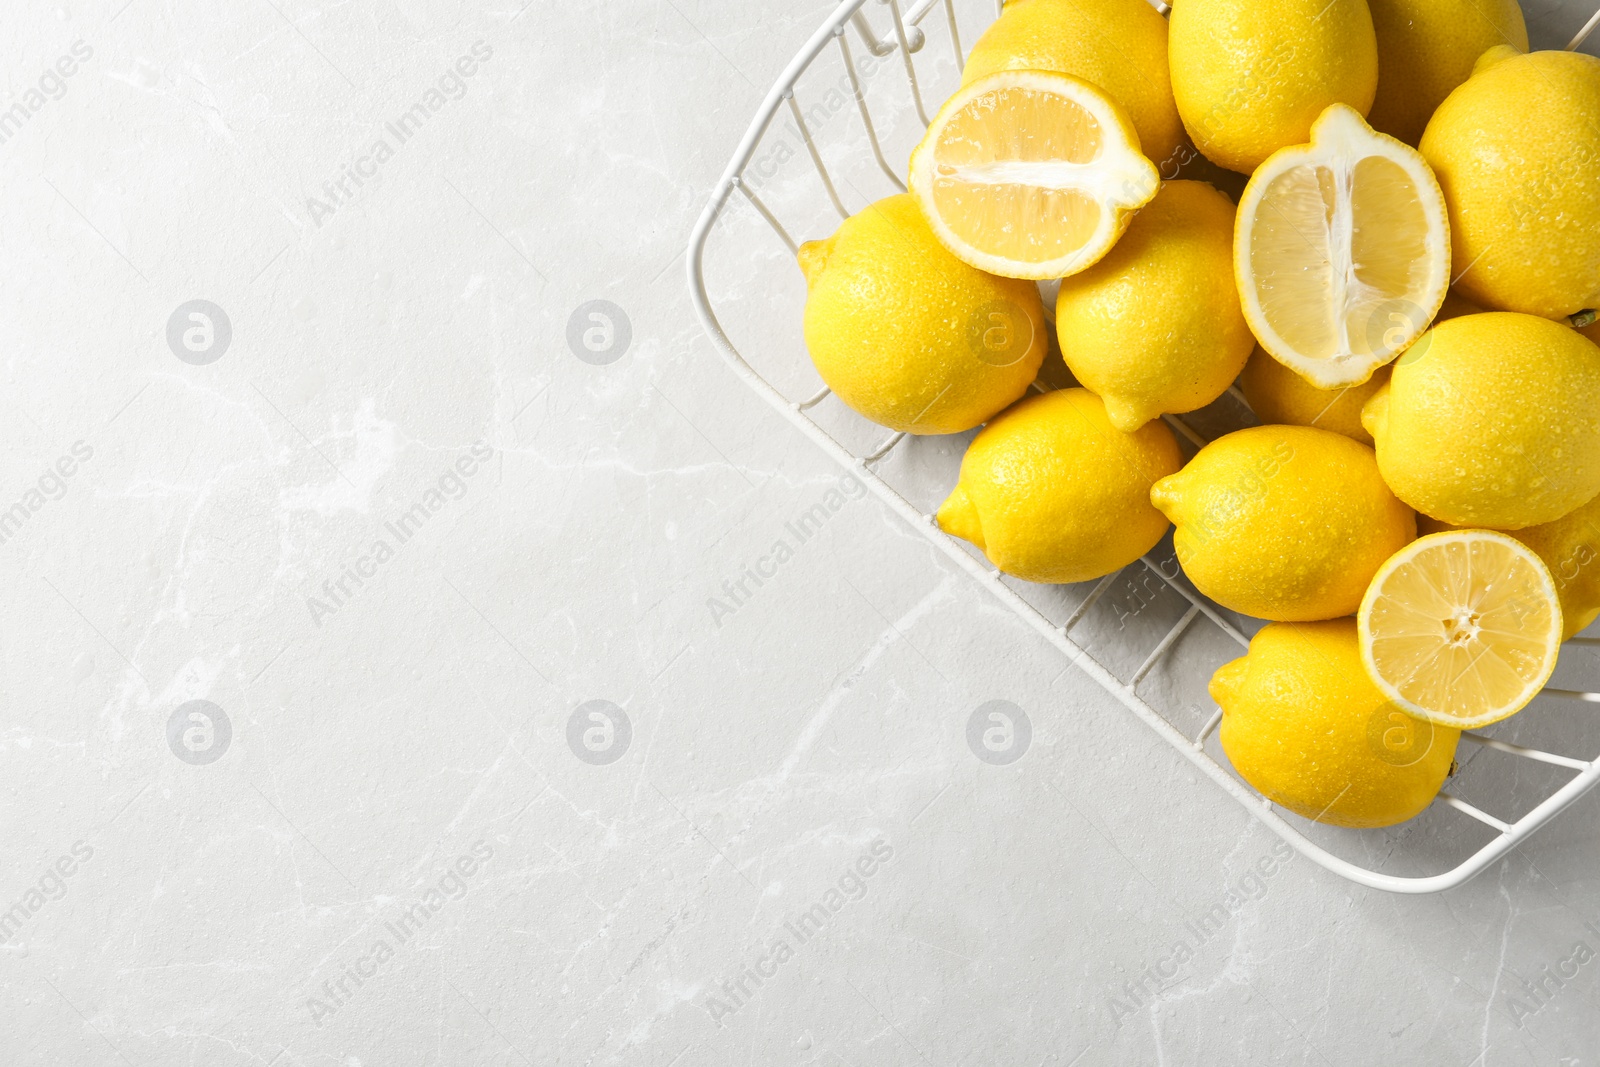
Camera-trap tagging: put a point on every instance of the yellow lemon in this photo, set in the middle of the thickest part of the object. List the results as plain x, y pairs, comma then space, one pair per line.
1461, 628
1283, 522
1517, 148
1277, 394
1303, 724
1052, 492
1030, 174
1492, 420
1118, 45
1342, 251
1156, 325
1251, 77
1426, 48
907, 334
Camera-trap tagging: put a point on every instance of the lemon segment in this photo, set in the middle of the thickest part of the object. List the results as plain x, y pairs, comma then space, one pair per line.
1461, 628
1341, 251
1030, 174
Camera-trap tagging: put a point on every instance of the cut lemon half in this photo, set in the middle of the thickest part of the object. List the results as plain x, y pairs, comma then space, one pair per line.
1341, 250
1030, 174
1461, 628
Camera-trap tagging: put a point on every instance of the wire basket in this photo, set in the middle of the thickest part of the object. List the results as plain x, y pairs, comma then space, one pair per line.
855, 97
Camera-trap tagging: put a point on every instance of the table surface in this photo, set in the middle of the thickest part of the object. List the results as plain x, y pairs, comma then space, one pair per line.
402, 665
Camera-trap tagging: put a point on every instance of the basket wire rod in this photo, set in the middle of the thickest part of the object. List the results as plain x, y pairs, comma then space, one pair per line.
1591, 642
1583, 34
866, 114
1477, 813
911, 68
1166, 642
1573, 694
1527, 753
1186, 430
1233, 391
1210, 612
884, 449
755, 202
1089, 601
918, 12
955, 33
1254, 805
812, 401
816, 156
1205, 731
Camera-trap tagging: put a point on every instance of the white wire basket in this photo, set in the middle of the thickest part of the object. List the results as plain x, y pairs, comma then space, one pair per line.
865, 83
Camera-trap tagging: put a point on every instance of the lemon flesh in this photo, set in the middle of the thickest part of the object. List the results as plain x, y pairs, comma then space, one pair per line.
1303, 724
1030, 174
1461, 628
1118, 45
1342, 251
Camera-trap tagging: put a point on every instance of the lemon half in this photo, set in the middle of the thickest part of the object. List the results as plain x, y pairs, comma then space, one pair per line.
1030, 174
1461, 628
1341, 251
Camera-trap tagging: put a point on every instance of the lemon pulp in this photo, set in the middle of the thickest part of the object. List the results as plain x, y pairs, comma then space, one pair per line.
1342, 251
1461, 628
1030, 174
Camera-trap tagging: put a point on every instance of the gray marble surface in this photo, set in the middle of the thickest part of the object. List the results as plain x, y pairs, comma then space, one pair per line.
381, 681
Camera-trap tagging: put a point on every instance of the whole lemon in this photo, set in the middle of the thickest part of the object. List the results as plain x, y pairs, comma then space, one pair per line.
907, 334
1250, 77
1052, 492
1118, 45
1491, 420
1277, 394
1170, 276
1516, 149
1426, 48
1570, 547
1287, 523
1303, 723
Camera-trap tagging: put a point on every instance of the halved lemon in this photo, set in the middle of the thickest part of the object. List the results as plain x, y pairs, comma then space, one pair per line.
1461, 628
1030, 174
1341, 250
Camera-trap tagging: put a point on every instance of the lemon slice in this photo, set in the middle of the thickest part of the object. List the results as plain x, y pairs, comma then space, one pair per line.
1030, 174
1461, 628
1341, 250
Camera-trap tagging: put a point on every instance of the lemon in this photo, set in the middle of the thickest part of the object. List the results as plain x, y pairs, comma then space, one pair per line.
1283, 522
1251, 77
1118, 45
1342, 250
1278, 395
1517, 148
1156, 326
1461, 628
1492, 420
1030, 173
1052, 492
907, 334
1303, 724
1426, 48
